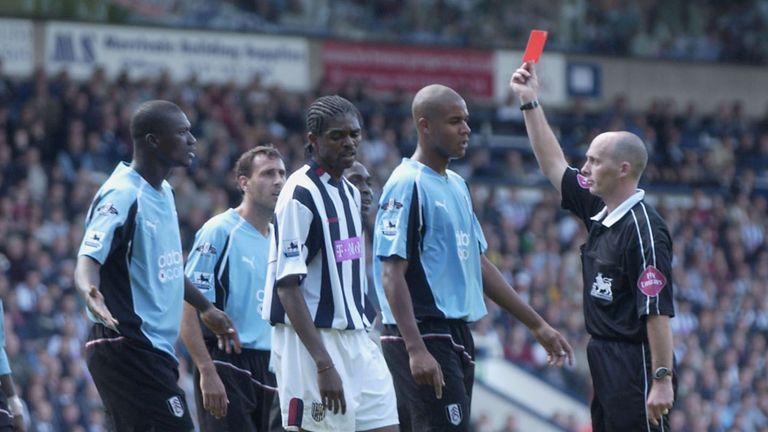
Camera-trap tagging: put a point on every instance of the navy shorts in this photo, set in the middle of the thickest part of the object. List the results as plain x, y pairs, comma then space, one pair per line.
450, 343
137, 383
251, 390
622, 377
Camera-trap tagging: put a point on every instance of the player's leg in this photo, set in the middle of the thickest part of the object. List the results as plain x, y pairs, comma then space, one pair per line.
377, 405
137, 384
419, 408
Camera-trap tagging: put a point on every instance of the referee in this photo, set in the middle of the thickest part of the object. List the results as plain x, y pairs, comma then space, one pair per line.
627, 270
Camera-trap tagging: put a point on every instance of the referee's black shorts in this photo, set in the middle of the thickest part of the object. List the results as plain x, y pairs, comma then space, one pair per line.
137, 383
622, 378
6, 419
450, 343
251, 390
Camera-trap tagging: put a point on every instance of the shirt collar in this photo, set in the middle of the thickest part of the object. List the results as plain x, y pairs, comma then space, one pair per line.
620, 211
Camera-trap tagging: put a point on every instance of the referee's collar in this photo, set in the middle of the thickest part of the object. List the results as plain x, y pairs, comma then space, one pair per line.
609, 219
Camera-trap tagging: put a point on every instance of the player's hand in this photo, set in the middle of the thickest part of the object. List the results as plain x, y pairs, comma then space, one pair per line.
426, 371
221, 325
95, 303
214, 394
558, 349
660, 400
331, 390
16, 407
524, 82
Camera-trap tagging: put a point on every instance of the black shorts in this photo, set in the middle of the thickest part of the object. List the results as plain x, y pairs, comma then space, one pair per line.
450, 343
622, 377
251, 390
137, 384
6, 419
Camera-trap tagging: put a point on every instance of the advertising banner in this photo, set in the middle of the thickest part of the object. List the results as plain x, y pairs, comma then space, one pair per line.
210, 56
17, 47
385, 67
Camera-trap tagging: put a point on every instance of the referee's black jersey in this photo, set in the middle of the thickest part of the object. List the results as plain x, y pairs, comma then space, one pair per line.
627, 262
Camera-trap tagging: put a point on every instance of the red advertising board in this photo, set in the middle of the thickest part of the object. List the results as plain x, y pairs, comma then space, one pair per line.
384, 67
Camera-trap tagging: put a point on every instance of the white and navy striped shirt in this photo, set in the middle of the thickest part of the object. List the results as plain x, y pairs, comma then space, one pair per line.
318, 237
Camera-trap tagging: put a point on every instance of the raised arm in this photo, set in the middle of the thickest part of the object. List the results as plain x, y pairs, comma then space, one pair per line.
549, 155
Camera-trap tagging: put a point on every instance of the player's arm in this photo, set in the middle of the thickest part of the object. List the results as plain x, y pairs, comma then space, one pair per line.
498, 290
328, 379
14, 402
215, 319
6, 381
549, 155
87, 281
213, 390
424, 368
661, 396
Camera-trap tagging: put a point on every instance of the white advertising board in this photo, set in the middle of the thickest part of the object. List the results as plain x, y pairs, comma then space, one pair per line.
17, 47
550, 70
211, 57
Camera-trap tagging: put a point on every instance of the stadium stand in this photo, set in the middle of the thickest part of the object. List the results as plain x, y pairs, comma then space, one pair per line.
59, 138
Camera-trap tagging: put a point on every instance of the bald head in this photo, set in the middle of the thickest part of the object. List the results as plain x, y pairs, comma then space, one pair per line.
431, 100
628, 147
152, 117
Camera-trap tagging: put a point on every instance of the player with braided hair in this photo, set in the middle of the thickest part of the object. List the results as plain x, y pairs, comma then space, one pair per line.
330, 375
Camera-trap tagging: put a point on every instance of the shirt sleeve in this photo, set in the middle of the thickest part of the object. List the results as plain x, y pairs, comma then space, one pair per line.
107, 215
294, 221
649, 265
398, 219
576, 197
206, 253
5, 366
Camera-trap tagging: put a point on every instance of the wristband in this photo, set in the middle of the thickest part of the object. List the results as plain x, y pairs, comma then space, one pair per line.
329, 367
529, 105
15, 406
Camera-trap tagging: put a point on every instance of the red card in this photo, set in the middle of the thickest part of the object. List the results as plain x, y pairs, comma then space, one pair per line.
535, 46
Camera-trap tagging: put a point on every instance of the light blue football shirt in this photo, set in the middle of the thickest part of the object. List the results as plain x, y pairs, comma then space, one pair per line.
427, 219
228, 264
132, 230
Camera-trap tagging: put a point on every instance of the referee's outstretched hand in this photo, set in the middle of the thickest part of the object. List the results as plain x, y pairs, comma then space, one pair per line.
221, 325
331, 390
426, 371
558, 349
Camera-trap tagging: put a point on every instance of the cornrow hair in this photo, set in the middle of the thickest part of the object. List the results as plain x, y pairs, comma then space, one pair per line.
323, 109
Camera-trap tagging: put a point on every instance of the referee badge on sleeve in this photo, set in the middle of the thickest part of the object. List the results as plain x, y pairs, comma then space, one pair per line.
651, 281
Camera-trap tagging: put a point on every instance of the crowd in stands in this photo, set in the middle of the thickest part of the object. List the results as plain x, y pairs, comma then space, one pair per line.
59, 139
732, 31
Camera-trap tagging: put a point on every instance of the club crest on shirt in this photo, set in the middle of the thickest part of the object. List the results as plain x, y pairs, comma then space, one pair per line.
176, 406
453, 411
392, 204
318, 411
206, 249
389, 226
107, 209
94, 239
601, 288
582, 181
651, 281
291, 249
